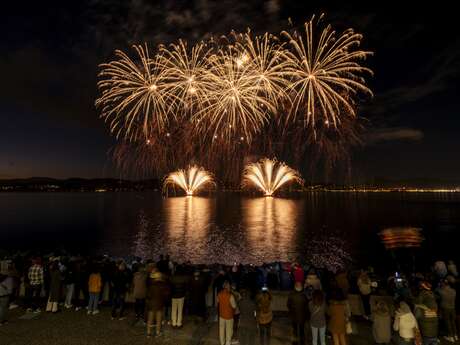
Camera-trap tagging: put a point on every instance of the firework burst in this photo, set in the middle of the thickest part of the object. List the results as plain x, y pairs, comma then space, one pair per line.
218, 101
190, 180
269, 175
186, 70
236, 104
136, 95
327, 75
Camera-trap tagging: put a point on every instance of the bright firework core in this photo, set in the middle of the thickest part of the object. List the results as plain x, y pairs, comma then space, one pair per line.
269, 175
190, 180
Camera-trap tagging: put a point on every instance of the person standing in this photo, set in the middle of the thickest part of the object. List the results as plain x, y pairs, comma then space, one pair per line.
55, 287
69, 281
448, 296
6, 290
341, 279
365, 289
179, 283
120, 284
198, 289
381, 323
81, 284
158, 292
94, 289
226, 307
339, 314
36, 280
426, 313
297, 305
312, 280
405, 324
317, 307
140, 292
236, 315
264, 315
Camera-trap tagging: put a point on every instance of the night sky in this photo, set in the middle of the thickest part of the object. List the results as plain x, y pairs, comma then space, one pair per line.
50, 55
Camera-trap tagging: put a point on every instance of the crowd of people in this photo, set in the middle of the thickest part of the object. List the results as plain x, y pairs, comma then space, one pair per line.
413, 308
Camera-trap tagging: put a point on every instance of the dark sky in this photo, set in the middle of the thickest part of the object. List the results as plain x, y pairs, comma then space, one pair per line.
50, 52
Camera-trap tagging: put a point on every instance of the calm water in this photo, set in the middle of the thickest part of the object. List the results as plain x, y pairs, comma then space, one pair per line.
328, 228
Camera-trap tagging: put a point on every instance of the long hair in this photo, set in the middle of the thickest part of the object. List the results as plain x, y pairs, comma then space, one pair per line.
318, 297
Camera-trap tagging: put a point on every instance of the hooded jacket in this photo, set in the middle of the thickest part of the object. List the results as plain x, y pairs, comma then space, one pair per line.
405, 322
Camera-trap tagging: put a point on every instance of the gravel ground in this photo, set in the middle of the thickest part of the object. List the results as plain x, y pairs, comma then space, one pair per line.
76, 328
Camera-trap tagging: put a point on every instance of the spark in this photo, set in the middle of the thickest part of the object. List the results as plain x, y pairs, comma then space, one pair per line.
269, 175
135, 95
327, 74
266, 90
190, 180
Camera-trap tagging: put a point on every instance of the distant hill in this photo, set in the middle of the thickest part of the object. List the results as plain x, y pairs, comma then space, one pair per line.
75, 184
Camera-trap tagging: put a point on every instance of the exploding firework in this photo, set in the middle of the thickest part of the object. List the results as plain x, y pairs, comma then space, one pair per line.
186, 70
327, 75
190, 180
218, 101
236, 104
269, 175
136, 98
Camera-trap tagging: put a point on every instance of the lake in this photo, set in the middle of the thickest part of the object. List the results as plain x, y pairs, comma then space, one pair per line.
326, 228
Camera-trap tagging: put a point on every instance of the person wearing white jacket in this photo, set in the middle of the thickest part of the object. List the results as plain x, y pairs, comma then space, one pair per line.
405, 323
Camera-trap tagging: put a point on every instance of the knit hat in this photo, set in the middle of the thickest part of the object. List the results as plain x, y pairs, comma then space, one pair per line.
425, 285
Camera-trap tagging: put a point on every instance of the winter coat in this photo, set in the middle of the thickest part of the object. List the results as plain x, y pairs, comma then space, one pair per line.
286, 280
69, 277
339, 313
297, 305
179, 284
94, 283
427, 320
197, 296
317, 315
226, 304
405, 323
448, 296
6, 286
381, 327
237, 297
121, 281
140, 285
342, 282
55, 285
264, 313
158, 292
426, 313
299, 275
364, 285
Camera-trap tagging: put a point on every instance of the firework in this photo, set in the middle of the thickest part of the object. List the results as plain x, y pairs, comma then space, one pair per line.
186, 70
218, 101
236, 106
136, 98
190, 180
327, 75
269, 175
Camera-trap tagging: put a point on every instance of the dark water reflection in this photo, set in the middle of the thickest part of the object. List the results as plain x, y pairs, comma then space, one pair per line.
327, 228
